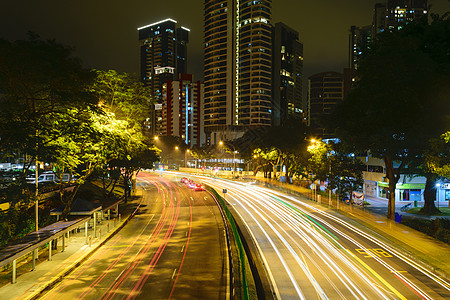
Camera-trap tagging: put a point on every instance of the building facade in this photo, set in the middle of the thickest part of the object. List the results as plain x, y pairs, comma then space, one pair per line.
182, 113
287, 87
401, 12
360, 40
387, 16
325, 91
163, 55
237, 67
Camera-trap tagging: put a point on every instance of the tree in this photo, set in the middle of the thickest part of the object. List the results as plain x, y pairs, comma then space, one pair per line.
203, 153
123, 95
434, 166
401, 98
277, 146
125, 98
140, 156
331, 162
39, 82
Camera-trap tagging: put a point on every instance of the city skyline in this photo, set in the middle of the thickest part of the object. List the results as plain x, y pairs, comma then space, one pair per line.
104, 34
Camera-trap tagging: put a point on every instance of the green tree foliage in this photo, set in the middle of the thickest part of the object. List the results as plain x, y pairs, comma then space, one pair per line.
122, 97
401, 98
330, 162
74, 119
39, 82
203, 153
275, 147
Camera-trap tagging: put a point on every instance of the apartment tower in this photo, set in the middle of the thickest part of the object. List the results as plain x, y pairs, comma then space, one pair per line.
181, 113
163, 55
287, 75
325, 91
237, 69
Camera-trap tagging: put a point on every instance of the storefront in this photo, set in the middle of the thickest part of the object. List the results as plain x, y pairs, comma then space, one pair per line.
403, 191
443, 192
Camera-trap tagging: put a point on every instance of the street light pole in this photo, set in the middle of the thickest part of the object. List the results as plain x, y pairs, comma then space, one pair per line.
185, 157
437, 189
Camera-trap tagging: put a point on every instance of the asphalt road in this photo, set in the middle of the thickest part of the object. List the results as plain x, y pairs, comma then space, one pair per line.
174, 247
310, 253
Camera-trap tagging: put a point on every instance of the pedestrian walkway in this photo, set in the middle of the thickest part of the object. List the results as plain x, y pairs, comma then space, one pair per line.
30, 284
380, 206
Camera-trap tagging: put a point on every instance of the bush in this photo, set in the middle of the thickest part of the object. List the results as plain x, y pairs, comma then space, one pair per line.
438, 228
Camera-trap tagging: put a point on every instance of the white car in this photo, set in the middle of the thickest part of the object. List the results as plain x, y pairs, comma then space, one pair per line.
49, 177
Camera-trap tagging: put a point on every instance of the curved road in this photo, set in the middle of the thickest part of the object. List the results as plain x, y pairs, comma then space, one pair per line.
174, 247
312, 254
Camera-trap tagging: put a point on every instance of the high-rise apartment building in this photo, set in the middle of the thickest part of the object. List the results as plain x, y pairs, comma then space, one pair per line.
325, 90
360, 40
163, 55
401, 12
287, 73
237, 69
391, 15
182, 113
379, 18
395, 14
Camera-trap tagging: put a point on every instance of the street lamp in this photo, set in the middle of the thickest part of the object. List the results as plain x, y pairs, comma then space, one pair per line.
234, 154
185, 157
311, 148
437, 190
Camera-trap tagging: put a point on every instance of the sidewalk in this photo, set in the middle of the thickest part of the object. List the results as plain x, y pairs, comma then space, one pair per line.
380, 206
30, 284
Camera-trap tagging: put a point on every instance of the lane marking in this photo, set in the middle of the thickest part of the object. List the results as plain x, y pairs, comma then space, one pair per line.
174, 271
395, 271
182, 249
381, 279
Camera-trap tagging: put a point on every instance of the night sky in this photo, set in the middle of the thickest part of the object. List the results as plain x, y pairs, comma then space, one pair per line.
104, 32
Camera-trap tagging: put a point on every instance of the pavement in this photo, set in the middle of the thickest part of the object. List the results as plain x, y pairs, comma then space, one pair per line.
380, 206
31, 284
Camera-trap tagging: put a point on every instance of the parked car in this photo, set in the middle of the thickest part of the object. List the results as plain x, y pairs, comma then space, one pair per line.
49, 177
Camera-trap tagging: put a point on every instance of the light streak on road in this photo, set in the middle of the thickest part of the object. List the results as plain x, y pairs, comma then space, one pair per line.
400, 255
308, 250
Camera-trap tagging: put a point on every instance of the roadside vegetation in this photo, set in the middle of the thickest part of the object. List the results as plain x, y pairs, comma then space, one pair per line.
63, 118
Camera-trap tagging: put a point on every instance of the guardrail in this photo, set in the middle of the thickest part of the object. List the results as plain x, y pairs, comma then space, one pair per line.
240, 248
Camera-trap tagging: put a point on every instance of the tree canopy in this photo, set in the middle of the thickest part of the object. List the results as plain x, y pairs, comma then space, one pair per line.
401, 97
75, 120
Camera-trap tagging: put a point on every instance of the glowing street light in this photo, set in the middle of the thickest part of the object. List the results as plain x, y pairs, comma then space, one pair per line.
185, 157
438, 185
